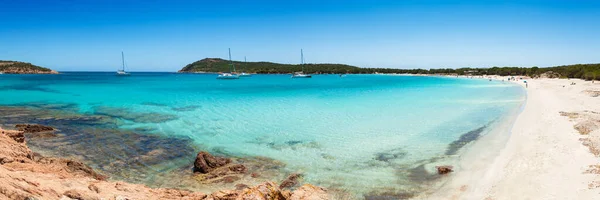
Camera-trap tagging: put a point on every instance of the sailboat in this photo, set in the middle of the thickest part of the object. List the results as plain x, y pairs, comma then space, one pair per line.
301, 73
231, 74
244, 74
122, 72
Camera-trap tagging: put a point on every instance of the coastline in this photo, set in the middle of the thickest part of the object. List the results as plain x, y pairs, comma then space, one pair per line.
494, 175
25, 174
542, 150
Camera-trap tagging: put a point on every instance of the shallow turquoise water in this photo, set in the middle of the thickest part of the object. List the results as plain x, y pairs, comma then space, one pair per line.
360, 133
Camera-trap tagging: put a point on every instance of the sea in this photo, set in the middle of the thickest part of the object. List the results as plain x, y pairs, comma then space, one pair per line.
360, 136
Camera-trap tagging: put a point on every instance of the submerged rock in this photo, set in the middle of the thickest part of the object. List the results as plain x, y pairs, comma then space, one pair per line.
138, 117
290, 181
239, 168
390, 196
394, 154
206, 163
444, 169
33, 128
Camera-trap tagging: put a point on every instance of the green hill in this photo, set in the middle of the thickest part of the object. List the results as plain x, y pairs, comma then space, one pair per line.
15, 67
211, 65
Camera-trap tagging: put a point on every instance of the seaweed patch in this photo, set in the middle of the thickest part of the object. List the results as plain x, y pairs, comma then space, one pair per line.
139, 117
464, 140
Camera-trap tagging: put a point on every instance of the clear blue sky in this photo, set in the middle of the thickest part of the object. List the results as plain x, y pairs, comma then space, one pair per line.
167, 35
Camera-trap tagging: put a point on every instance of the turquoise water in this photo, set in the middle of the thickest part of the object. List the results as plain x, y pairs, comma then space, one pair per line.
365, 134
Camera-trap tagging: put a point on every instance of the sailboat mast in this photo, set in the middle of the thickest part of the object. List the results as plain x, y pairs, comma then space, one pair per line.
123, 60
302, 60
245, 64
231, 62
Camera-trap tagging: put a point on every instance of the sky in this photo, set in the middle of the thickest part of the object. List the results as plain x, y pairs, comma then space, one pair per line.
75, 35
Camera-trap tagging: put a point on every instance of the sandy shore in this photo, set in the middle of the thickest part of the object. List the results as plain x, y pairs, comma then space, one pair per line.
544, 157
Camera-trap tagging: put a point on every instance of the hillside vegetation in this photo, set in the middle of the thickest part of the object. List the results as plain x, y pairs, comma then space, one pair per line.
221, 65
15, 67
213, 65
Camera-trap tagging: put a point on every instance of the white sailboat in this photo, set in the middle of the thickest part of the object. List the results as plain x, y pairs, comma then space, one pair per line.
122, 72
301, 73
244, 74
231, 74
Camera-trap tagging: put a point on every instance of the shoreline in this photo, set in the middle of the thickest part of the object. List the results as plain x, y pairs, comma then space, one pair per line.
495, 176
25, 174
542, 150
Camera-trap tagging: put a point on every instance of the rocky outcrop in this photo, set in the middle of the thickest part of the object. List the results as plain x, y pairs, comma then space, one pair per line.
215, 169
25, 175
205, 162
13, 149
33, 128
270, 191
265, 191
18, 136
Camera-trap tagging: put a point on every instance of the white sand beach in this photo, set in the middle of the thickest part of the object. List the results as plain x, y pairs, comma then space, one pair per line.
544, 157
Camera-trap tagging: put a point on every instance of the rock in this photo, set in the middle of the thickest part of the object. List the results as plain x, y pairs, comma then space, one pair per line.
238, 168
13, 150
444, 169
205, 162
264, 191
79, 195
254, 175
586, 126
94, 188
33, 128
71, 166
241, 186
310, 192
290, 181
121, 198
18, 136
230, 179
224, 195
